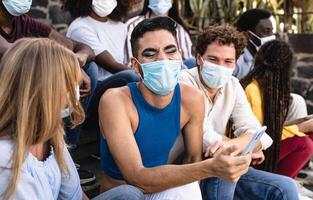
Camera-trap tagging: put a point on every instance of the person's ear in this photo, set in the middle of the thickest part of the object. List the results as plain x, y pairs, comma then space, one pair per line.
199, 61
136, 66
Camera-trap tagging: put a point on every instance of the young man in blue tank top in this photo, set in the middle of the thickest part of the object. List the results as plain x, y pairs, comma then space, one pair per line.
140, 123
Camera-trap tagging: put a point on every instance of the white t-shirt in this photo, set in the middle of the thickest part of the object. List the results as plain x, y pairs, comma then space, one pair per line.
100, 36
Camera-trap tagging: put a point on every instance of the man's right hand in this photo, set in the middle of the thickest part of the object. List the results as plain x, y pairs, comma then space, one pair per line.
228, 165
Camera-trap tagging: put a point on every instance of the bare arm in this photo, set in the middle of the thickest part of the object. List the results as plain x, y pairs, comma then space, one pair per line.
106, 61
83, 52
193, 130
115, 122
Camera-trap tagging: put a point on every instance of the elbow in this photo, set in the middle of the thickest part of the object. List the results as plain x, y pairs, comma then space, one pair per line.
140, 181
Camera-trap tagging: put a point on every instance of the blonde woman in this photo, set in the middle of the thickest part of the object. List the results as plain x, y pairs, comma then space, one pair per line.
38, 81
38, 87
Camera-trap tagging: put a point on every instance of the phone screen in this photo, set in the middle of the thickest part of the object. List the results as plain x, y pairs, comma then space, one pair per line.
254, 140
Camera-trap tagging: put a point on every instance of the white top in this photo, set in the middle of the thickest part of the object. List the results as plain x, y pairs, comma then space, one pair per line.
183, 38
230, 103
39, 179
244, 64
100, 36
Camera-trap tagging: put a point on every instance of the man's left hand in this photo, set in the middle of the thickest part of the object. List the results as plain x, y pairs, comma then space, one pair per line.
257, 157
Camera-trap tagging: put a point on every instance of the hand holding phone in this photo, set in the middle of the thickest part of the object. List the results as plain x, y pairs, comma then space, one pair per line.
254, 140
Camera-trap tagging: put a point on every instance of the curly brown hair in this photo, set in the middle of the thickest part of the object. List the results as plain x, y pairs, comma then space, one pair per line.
224, 35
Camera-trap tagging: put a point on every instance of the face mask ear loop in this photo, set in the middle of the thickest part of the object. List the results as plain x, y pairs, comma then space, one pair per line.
139, 74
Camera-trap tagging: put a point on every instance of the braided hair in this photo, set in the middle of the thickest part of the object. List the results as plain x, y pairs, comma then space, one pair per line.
272, 71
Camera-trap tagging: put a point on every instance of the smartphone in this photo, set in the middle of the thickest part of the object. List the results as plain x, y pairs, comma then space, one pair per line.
254, 140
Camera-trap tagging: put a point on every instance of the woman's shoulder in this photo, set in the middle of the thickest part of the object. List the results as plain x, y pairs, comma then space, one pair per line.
252, 87
6, 149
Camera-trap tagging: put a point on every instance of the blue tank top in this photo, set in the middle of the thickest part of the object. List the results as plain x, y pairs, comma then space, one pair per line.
155, 136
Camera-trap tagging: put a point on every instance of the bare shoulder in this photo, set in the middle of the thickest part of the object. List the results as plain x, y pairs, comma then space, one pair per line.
191, 98
116, 97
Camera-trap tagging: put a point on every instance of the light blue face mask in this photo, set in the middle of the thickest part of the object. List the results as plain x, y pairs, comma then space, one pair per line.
160, 7
215, 76
162, 76
66, 112
17, 7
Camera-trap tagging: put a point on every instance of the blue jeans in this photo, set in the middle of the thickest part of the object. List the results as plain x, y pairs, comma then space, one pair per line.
123, 192
254, 185
72, 135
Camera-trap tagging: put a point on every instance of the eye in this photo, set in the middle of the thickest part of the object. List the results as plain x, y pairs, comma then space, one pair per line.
148, 54
171, 50
211, 59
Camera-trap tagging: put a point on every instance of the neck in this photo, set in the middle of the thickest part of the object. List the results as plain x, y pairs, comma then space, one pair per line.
98, 18
6, 20
251, 49
40, 151
158, 101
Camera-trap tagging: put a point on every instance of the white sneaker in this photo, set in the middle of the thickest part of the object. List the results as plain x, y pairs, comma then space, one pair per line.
304, 192
305, 176
304, 197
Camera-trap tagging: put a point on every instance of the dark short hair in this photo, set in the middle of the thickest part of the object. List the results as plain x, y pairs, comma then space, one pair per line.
224, 35
249, 19
149, 25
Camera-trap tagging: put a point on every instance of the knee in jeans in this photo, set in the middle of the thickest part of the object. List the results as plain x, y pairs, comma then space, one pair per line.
287, 188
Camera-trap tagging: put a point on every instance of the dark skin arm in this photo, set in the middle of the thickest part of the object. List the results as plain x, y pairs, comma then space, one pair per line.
84, 52
106, 61
84, 55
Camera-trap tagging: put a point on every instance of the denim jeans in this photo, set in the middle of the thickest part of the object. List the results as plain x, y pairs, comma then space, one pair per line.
116, 80
254, 185
123, 192
72, 135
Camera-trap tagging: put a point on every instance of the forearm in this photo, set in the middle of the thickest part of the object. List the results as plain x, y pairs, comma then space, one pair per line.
156, 179
112, 67
83, 49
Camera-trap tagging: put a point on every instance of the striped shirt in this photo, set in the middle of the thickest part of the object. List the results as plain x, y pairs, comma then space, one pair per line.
183, 38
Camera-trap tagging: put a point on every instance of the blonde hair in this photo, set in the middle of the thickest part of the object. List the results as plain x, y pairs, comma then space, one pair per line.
35, 76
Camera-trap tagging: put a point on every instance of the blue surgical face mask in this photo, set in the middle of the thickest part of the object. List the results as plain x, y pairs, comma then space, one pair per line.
66, 112
215, 76
17, 7
160, 7
162, 76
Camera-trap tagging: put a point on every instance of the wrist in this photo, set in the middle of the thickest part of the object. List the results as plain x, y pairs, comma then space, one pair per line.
208, 168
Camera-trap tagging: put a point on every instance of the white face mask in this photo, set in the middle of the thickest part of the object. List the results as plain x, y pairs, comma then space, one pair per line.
103, 7
263, 40
67, 111
215, 76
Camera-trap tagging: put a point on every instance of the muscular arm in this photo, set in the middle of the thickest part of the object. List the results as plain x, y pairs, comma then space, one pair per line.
115, 122
192, 132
